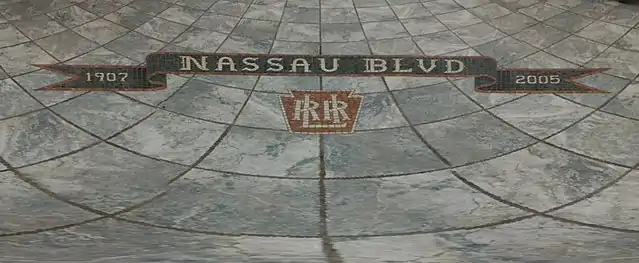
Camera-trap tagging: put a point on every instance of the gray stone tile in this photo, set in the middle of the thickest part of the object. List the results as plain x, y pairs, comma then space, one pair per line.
338, 15
101, 31
10, 36
360, 85
512, 23
240, 82
267, 153
458, 19
218, 23
151, 7
124, 241
478, 34
629, 41
200, 39
542, 59
303, 3
622, 16
181, 14
342, 32
541, 115
472, 3
129, 17
229, 8
389, 152
440, 43
143, 46
569, 22
592, 9
296, 48
541, 177
18, 59
233, 199
500, 244
299, 32
622, 63
176, 48
57, 45
384, 30
283, 84
625, 103
412, 10
602, 136
614, 207
541, 35
576, 49
473, 138
403, 83
397, 46
419, 202
441, 6
264, 12
41, 78
603, 32
32, 209
161, 29
444, 101
402, 2
336, 4
72, 16
3, 75
566, 4
99, 7
240, 44
378, 111
604, 82
506, 50
541, 11
376, 14
263, 110
171, 137
197, 4
101, 56
466, 52
490, 11
423, 25
486, 100
14, 101
27, 9
210, 102
350, 48
38, 27
515, 5
273, 3
39, 136
118, 179
301, 15
103, 114
256, 29
174, 83
361, 3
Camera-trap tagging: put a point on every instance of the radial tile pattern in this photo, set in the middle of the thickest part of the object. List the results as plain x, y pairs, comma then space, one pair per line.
206, 171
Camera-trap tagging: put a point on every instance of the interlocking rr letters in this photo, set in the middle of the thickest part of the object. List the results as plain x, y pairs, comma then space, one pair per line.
321, 112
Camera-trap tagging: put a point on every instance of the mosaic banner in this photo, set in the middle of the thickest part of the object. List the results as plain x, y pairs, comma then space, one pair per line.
489, 78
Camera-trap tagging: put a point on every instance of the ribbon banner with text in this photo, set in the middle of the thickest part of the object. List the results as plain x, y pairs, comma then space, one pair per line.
489, 78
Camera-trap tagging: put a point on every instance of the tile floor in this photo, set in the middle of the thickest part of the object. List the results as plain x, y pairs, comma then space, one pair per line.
205, 171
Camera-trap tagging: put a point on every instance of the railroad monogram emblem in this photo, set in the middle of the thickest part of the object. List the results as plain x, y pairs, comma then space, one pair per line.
321, 112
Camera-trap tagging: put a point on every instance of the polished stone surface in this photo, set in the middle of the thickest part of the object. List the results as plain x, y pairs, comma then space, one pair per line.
206, 171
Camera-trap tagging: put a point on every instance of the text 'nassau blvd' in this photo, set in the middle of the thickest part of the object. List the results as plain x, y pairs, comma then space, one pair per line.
321, 65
